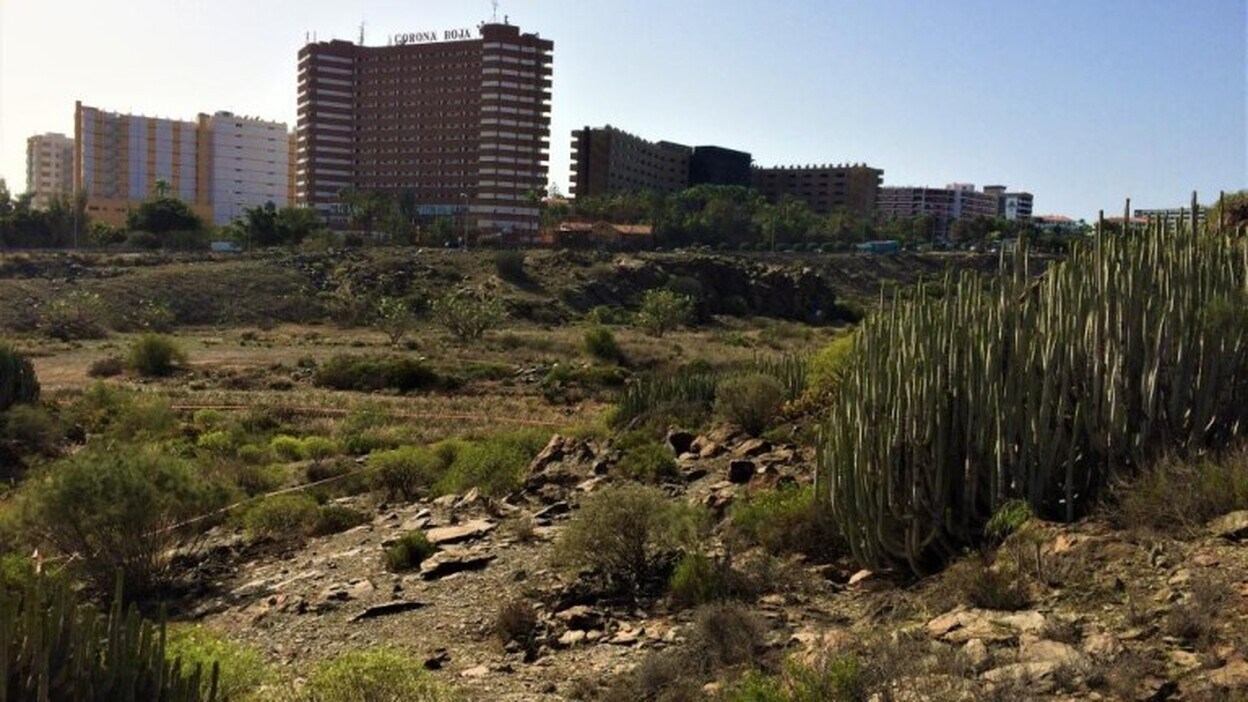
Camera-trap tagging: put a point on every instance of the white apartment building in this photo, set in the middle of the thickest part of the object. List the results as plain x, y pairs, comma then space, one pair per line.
250, 164
49, 167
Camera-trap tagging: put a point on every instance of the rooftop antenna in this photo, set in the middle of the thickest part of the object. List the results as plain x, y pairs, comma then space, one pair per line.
362, 33
495, 18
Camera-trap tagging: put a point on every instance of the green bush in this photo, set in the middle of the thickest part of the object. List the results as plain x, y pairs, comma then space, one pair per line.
601, 344
650, 462
664, 310
749, 401
374, 675
242, 668
287, 448
18, 383
154, 356
32, 429
394, 318
495, 464
626, 533
363, 374
827, 368
317, 448
603, 315
404, 472
409, 551
509, 264
333, 519
787, 520
468, 315
217, 443
700, 579
115, 509
281, 517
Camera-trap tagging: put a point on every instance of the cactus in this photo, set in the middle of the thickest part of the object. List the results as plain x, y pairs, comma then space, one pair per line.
54, 648
1040, 390
18, 384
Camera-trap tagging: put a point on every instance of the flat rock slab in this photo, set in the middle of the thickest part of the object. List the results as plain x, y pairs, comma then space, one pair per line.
1233, 526
387, 609
444, 563
459, 533
962, 625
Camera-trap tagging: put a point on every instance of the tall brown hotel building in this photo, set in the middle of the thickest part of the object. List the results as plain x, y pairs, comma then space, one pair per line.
463, 123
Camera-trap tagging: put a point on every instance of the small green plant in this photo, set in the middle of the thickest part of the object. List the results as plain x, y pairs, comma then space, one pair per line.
317, 448
650, 462
285, 447
663, 310
468, 315
1009, 518
155, 356
409, 551
404, 472
281, 517
374, 675
827, 368
750, 401
495, 465
700, 579
242, 668
625, 534
787, 520
333, 519
601, 344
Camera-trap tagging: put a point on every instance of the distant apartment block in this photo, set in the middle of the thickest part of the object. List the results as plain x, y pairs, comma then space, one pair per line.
824, 189
49, 168
219, 164
1170, 215
607, 159
461, 122
1016, 207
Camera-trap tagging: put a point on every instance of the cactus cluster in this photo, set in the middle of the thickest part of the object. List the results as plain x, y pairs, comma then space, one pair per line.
18, 384
1035, 389
54, 648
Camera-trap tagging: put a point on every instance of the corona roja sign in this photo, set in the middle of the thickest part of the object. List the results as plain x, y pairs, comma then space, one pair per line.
426, 37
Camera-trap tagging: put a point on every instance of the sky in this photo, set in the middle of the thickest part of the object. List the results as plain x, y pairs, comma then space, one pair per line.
1081, 102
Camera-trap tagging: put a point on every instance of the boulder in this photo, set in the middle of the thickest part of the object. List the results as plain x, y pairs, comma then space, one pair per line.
467, 531
752, 448
453, 560
1233, 526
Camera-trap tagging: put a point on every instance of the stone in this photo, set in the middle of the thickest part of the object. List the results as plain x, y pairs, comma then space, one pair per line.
558, 509
680, 441
1233, 675
740, 472
962, 625
1049, 652
626, 637
860, 576
439, 658
467, 531
710, 449
977, 655
581, 617
753, 448
387, 609
571, 637
1185, 661
695, 474
1102, 646
1233, 526
479, 671
453, 560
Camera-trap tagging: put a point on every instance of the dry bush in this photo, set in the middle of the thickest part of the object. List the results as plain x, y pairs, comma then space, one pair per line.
1186, 493
974, 581
517, 621
1195, 621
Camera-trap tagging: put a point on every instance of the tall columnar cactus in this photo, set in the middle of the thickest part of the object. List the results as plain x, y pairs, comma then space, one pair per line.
18, 383
53, 648
1040, 389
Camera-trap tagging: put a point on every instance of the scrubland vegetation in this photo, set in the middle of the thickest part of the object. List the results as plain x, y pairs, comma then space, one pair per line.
944, 425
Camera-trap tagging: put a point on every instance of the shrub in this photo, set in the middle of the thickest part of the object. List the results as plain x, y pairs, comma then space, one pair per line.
509, 264
115, 509
75, 315
601, 344
107, 367
603, 315
409, 551
827, 368
495, 465
372, 374
32, 429
1009, 518
18, 383
727, 634
317, 448
750, 401
973, 581
517, 621
662, 311
404, 472
242, 668
468, 315
287, 448
333, 519
148, 316
153, 355
700, 579
625, 534
650, 462
217, 443
394, 318
785, 521
281, 517
374, 675
1182, 492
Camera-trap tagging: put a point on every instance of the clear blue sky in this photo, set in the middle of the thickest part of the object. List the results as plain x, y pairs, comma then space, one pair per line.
1082, 102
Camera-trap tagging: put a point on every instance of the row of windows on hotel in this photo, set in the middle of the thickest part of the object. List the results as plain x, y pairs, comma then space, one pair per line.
406, 67
373, 126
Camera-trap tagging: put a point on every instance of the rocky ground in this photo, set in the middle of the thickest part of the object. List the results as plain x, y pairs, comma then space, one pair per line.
1106, 614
